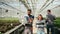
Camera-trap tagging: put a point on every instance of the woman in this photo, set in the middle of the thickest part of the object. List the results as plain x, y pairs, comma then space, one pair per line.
40, 24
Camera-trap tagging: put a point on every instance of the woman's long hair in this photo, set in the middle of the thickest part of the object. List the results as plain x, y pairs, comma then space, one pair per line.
41, 17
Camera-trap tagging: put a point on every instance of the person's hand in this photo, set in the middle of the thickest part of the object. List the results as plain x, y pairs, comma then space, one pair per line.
31, 28
30, 20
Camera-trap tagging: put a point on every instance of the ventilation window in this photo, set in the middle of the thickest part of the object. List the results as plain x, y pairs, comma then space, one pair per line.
6, 11
17, 13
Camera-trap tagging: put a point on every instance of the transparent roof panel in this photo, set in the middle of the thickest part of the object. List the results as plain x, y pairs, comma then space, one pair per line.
37, 6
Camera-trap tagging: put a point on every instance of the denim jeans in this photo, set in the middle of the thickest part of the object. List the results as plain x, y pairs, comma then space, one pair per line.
40, 31
27, 30
50, 27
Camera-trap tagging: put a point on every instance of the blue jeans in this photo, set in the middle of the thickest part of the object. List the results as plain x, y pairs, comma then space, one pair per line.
50, 27
40, 31
27, 30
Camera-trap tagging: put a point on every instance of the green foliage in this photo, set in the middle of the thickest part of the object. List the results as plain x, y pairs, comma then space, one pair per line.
5, 24
9, 20
57, 22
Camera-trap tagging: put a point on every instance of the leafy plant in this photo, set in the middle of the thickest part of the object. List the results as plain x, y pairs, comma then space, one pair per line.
57, 22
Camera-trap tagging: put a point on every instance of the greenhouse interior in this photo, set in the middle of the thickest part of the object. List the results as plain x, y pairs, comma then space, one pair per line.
13, 13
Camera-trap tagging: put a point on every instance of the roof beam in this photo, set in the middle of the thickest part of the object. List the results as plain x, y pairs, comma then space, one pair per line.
24, 2
46, 5
11, 6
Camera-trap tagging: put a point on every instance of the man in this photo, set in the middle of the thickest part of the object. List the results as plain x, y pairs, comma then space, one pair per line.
50, 21
29, 19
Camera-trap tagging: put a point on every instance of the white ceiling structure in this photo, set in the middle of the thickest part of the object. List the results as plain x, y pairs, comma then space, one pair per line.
21, 6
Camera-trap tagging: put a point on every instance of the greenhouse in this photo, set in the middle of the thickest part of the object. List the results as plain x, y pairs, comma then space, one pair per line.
13, 13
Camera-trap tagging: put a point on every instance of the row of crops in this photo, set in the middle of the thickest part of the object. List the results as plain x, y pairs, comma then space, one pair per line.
57, 25
57, 22
8, 23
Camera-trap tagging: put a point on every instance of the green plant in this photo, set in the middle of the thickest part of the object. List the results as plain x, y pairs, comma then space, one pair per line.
57, 22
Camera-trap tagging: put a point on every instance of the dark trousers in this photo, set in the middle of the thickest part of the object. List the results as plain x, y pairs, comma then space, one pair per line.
32, 30
50, 27
30, 27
